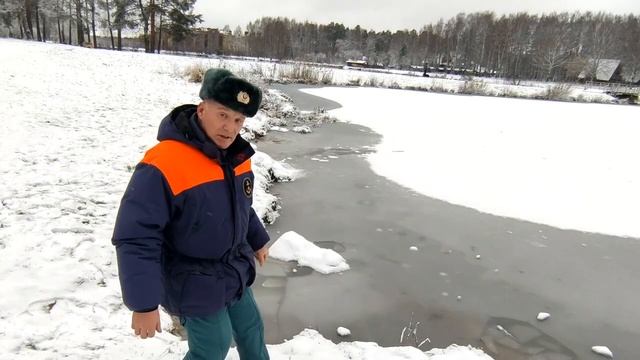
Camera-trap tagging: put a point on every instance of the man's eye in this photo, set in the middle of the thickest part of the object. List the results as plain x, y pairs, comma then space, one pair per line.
223, 115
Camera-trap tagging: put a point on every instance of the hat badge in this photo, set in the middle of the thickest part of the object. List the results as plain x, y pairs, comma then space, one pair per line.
243, 97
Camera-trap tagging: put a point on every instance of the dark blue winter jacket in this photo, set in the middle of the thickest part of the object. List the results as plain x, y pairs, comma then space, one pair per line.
186, 233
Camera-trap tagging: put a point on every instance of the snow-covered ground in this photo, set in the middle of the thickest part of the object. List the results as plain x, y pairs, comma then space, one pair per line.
568, 165
75, 122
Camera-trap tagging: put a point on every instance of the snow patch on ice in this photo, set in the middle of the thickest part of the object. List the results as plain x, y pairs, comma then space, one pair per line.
302, 129
293, 247
602, 350
543, 316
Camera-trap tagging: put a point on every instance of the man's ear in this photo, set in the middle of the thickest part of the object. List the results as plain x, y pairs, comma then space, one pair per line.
200, 109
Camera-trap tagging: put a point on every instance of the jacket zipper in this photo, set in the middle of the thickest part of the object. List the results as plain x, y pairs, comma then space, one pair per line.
230, 180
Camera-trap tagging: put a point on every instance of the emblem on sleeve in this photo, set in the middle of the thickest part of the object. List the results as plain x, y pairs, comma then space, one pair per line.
247, 186
243, 97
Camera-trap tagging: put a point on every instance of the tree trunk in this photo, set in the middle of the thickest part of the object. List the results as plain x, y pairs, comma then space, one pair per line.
109, 24
38, 22
70, 19
87, 28
152, 18
20, 22
119, 39
93, 22
160, 35
145, 19
60, 36
44, 27
79, 27
29, 25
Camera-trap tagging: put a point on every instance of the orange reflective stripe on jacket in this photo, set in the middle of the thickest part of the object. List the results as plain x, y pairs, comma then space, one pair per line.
185, 167
243, 168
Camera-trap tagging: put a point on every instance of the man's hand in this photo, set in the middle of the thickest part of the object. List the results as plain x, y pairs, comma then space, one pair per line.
146, 324
262, 254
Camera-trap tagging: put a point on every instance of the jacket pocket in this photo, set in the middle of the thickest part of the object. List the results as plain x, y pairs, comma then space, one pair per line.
202, 294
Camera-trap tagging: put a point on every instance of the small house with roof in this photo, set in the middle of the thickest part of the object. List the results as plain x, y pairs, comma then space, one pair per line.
606, 70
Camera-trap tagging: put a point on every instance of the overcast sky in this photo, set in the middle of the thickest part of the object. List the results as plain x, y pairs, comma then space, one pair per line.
388, 14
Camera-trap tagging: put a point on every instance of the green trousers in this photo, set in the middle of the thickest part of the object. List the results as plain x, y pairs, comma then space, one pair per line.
209, 337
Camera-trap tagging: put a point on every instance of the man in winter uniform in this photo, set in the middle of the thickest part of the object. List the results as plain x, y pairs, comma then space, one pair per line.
186, 234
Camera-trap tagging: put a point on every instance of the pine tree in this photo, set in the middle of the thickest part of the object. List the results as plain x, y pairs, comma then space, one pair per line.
180, 18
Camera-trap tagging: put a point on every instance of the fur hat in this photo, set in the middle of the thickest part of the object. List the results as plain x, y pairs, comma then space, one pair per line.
231, 91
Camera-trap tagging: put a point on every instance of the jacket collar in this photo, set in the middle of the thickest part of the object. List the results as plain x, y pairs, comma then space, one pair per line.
182, 124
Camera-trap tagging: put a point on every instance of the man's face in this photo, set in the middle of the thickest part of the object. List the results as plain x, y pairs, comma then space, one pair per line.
220, 123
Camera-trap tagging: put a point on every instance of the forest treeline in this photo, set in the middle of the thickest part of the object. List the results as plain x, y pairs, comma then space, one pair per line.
555, 47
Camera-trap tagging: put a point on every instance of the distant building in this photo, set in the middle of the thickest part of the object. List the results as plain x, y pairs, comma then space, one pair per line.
207, 41
357, 63
363, 63
602, 70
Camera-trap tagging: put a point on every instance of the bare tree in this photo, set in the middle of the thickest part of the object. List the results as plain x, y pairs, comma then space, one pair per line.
124, 18
601, 42
152, 25
160, 11
11, 10
58, 10
631, 47
552, 46
144, 15
70, 19
36, 8
92, 3
107, 7
28, 8
79, 22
